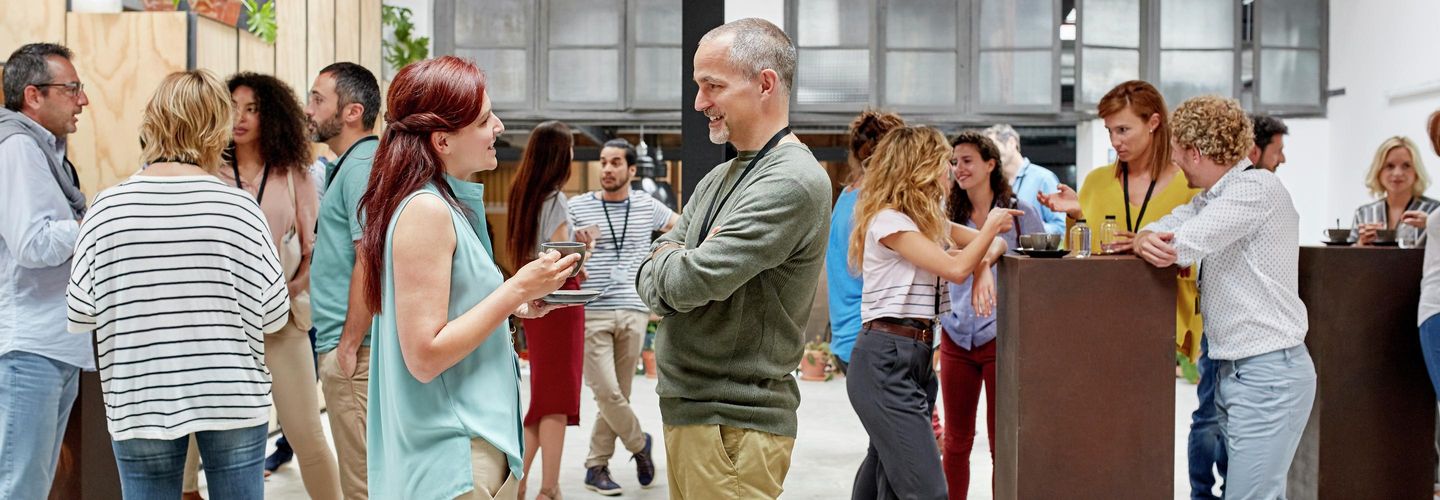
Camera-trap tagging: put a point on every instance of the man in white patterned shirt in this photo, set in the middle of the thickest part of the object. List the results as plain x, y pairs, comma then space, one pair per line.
1245, 229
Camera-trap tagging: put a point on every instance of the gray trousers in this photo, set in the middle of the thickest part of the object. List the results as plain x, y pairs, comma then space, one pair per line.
893, 390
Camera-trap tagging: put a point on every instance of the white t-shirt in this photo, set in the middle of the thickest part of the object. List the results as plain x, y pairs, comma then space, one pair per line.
1430, 277
179, 280
624, 242
895, 288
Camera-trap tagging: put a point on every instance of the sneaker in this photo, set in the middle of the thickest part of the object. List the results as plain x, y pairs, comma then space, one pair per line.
283, 454
597, 479
644, 465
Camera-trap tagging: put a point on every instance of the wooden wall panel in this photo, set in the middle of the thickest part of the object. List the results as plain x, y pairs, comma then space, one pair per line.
122, 58
256, 55
347, 31
28, 21
371, 34
290, 41
320, 51
216, 46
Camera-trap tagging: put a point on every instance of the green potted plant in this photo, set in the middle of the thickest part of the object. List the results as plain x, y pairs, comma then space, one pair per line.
404, 47
815, 364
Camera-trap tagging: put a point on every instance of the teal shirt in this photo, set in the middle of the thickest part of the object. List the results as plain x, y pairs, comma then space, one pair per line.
337, 230
419, 434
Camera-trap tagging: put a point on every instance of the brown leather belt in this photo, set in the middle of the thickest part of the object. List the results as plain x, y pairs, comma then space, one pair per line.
904, 328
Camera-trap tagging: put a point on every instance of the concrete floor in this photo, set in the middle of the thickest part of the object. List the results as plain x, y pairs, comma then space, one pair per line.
828, 450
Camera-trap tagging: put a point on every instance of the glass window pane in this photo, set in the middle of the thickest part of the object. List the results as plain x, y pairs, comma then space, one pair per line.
920, 78
1197, 24
496, 23
657, 75
1289, 23
1103, 69
834, 23
1186, 74
657, 21
585, 22
585, 75
505, 73
1290, 77
830, 76
1018, 78
921, 24
1017, 23
1115, 23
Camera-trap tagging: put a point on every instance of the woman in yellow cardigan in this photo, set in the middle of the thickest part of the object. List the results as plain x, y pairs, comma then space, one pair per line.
1139, 125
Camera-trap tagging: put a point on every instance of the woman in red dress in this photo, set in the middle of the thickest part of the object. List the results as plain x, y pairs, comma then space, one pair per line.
538, 214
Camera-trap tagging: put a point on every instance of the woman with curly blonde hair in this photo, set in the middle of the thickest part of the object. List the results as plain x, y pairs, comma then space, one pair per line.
901, 245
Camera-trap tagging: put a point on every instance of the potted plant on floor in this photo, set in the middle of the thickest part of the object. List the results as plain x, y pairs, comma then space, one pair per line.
815, 364
647, 354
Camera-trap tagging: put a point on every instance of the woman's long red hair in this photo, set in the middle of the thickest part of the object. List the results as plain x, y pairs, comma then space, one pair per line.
544, 169
435, 95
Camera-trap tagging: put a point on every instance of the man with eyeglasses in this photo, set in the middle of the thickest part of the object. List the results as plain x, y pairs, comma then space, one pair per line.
40, 363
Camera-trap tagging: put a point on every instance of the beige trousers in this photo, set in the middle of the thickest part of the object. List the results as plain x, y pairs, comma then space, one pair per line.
346, 402
720, 462
613, 340
491, 473
290, 359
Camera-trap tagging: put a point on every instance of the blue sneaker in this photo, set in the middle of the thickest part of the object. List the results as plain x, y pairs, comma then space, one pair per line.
283, 454
597, 479
644, 465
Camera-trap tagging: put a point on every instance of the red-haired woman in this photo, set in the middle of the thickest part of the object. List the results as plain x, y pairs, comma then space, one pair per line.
444, 412
538, 214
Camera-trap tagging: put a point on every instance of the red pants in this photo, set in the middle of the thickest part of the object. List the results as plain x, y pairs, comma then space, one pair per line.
961, 374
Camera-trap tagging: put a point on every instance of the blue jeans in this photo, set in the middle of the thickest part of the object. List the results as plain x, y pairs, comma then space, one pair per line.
234, 464
1206, 447
1430, 348
36, 395
1264, 401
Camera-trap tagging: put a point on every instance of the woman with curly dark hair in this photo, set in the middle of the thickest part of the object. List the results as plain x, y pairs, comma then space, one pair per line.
269, 158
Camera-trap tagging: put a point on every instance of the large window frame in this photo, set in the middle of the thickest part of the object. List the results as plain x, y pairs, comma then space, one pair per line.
1157, 50
1144, 67
622, 58
1322, 48
963, 61
976, 50
635, 101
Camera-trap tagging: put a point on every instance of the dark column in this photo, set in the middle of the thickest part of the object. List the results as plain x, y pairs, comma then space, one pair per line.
1085, 379
697, 152
1371, 432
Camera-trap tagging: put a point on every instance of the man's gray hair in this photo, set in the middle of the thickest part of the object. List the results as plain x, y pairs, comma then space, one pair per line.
758, 45
28, 66
1002, 132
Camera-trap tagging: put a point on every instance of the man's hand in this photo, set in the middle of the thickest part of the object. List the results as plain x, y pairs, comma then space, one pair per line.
665, 246
346, 356
1156, 248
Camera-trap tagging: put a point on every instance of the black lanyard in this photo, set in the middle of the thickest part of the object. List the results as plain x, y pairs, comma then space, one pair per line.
336, 171
264, 179
715, 207
1125, 187
619, 239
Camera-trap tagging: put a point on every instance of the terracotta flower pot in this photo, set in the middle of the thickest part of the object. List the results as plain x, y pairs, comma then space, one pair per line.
650, 370
813, 364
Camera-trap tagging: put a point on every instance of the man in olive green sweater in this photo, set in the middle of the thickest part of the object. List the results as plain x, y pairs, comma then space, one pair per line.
736, 277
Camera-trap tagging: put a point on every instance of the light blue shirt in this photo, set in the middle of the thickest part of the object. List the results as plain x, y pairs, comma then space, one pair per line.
38, 231
965, 328
844, 287
1029, 182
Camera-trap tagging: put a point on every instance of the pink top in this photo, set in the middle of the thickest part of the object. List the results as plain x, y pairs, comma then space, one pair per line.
281, 212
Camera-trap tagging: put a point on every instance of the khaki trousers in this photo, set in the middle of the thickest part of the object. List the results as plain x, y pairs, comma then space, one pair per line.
346, 401
290, 359
613, 340
721, 462
491, 473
